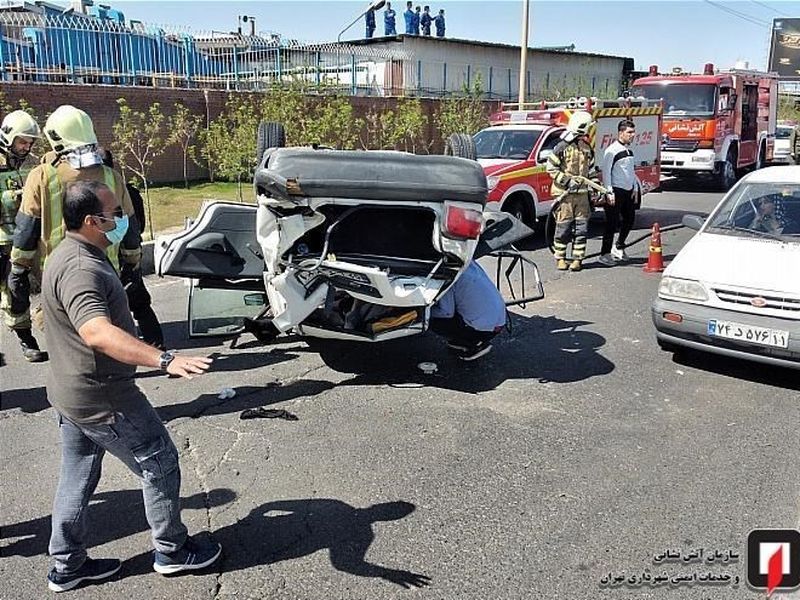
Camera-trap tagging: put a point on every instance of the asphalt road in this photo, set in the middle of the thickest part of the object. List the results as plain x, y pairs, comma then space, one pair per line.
576, 449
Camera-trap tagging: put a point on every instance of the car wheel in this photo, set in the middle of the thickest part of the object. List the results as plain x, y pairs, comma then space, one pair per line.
461, 145
727, 172
270, 135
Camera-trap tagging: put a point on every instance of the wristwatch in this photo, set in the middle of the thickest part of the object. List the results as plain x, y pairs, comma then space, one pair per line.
165, 359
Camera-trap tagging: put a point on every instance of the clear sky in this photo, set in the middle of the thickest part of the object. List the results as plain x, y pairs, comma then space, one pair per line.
685, 33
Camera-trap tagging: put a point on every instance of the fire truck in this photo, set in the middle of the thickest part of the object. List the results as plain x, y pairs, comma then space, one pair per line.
513, 150
718, 123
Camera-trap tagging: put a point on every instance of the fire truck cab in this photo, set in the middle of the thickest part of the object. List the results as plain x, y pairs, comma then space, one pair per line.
513, 150
718, 123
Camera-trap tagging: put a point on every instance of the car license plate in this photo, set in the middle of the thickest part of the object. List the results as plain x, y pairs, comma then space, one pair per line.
748, 333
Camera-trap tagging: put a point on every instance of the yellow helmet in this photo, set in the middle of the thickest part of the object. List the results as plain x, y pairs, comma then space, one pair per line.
17, 123
68, 129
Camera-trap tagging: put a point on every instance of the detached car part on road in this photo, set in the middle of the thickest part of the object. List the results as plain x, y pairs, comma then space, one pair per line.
734, 289
342, 244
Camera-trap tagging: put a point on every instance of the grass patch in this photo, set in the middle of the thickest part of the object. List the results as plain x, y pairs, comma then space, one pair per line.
172, 204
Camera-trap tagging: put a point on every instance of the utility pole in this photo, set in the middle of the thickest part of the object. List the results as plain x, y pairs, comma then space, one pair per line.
523, 52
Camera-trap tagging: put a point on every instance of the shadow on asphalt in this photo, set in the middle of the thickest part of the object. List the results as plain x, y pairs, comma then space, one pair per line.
739, 369
246, 397
543, 349
690, 183
290, 529
31, 400
111, 516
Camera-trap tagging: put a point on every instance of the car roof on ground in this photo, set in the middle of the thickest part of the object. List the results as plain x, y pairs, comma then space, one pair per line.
782, 174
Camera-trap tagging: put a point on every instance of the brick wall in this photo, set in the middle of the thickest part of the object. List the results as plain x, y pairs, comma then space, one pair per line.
100, 102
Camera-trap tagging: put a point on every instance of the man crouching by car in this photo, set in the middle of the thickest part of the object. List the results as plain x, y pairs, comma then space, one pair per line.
470, 314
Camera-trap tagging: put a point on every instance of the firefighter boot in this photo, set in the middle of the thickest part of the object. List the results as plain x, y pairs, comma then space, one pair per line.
30, 348
575, 265
561, 264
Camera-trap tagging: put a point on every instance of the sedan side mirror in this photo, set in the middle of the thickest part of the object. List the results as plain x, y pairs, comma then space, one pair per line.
693, 222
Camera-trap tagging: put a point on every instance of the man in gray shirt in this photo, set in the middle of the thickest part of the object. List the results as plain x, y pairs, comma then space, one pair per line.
94, 353
619, 175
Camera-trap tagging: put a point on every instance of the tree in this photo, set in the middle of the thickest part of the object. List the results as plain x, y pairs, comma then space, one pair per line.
230, 140
409, 126
138, 140
465, 113
184, 128
330, 122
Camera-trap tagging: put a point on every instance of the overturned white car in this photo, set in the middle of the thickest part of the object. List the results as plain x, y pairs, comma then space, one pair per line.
343, 244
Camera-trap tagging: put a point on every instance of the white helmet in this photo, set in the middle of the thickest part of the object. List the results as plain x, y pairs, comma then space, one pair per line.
16, 124
578, 126
69, 129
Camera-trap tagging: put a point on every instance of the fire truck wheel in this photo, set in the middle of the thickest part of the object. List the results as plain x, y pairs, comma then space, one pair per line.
461, 145
727, 172
270, 135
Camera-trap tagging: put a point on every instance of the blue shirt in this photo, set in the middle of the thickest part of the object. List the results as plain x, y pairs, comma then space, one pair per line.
388, 22
409, 17
439, 21
415, 23
370, 16
475, 298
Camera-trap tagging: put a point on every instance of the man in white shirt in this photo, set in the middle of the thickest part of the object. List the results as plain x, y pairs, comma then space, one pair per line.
619, 175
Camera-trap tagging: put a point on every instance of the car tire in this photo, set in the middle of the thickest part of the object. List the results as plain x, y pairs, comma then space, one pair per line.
726, 177
461, 145
270, 135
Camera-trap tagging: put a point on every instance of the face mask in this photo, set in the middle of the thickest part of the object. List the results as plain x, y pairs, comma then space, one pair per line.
120, 229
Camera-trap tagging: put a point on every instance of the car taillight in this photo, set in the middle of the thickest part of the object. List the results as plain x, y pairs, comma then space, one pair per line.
462, 223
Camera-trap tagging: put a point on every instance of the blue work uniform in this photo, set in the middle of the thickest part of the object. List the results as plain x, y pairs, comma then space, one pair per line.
409, 17
370, 22
415, 23
388, 22
425, 22
439, 22
475, 299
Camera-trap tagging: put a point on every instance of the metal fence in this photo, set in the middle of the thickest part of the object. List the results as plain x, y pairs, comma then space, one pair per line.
82, 49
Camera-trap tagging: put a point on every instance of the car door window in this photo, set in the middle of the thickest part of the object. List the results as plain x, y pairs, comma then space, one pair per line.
548, 145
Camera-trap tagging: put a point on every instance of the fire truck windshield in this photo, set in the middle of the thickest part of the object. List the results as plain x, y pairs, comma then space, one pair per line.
504, 142
681, 99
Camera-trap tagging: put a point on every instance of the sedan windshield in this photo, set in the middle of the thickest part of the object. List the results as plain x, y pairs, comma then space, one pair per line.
681, 99
783, 133
515, 144
769, 210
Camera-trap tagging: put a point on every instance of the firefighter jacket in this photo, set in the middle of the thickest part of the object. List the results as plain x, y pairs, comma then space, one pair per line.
12, 179
567, 160
40, 223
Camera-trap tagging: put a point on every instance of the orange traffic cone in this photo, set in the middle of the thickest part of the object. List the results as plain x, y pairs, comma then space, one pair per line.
655, 260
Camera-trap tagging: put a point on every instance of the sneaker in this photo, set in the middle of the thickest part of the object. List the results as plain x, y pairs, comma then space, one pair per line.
91, 569
607, 260
575, 265
619, 253
475, 351
561, 264
30, 348
192, 556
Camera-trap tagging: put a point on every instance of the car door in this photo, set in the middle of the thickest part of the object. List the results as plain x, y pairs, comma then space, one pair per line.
220, 256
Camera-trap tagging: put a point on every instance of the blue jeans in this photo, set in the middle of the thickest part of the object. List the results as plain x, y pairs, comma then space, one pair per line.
142, 443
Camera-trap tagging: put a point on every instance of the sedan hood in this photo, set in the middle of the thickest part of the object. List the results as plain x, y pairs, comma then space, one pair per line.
760, 264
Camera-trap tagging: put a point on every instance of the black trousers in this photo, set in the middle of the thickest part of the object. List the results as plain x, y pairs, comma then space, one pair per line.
455, 330
624, 210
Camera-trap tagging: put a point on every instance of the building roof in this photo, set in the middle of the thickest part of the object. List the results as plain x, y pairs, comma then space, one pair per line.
402, 36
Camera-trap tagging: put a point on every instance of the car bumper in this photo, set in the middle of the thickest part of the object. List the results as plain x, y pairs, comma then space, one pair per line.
782, 159
699, 160
692, 332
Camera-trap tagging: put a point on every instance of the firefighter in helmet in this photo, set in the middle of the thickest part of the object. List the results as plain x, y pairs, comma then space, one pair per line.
571, 160
40, 225
18, 132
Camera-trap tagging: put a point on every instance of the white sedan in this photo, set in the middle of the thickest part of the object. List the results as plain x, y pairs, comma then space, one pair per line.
734, 289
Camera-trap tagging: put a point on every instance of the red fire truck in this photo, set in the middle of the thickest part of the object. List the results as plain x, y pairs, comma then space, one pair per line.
514, 149
717, 123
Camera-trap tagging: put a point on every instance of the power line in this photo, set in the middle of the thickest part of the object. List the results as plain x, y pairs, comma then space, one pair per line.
740, 15
767, 6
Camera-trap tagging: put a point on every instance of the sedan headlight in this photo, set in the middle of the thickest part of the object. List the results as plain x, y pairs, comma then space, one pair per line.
492, 182
682, 289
